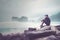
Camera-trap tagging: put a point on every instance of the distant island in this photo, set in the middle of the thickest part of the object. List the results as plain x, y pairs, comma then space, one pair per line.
21, 19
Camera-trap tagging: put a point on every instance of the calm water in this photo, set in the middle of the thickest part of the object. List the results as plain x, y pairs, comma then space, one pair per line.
15, 27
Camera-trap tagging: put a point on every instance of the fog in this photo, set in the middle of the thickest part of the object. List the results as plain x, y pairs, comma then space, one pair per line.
29, 8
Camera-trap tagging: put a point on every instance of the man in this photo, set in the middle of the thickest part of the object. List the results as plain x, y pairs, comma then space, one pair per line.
46, 20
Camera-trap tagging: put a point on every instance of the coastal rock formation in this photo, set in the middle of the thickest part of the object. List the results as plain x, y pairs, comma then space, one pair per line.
32, 34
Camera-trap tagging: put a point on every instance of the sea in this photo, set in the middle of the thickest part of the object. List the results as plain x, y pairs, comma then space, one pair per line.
19, 27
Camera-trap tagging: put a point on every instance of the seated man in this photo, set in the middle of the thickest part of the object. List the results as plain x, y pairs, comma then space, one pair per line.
46, 20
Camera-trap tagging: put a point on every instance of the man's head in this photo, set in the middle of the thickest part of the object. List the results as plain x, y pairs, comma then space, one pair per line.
46, 16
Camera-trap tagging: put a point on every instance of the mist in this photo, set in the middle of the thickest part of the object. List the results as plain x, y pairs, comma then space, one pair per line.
31, 8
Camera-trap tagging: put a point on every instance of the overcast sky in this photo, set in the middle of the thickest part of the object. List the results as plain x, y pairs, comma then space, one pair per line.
29, 8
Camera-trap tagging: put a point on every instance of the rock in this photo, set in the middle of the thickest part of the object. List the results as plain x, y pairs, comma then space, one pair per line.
58, 27
51, 38
1, 36
35, 34
31, 29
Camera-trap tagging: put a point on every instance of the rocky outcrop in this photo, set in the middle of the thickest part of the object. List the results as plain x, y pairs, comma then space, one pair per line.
33, 34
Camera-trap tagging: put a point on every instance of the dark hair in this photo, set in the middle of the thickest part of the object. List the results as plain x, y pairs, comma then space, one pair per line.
46, 15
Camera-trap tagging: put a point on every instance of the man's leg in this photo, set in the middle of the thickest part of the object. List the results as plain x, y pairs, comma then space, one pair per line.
45, 27
41, 26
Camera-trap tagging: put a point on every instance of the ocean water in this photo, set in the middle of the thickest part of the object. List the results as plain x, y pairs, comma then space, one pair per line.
19, 27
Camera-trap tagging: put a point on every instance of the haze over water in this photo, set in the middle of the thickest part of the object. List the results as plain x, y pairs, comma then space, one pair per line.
19, 27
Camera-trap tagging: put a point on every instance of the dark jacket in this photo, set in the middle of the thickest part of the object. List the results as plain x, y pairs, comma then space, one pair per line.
47, 21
